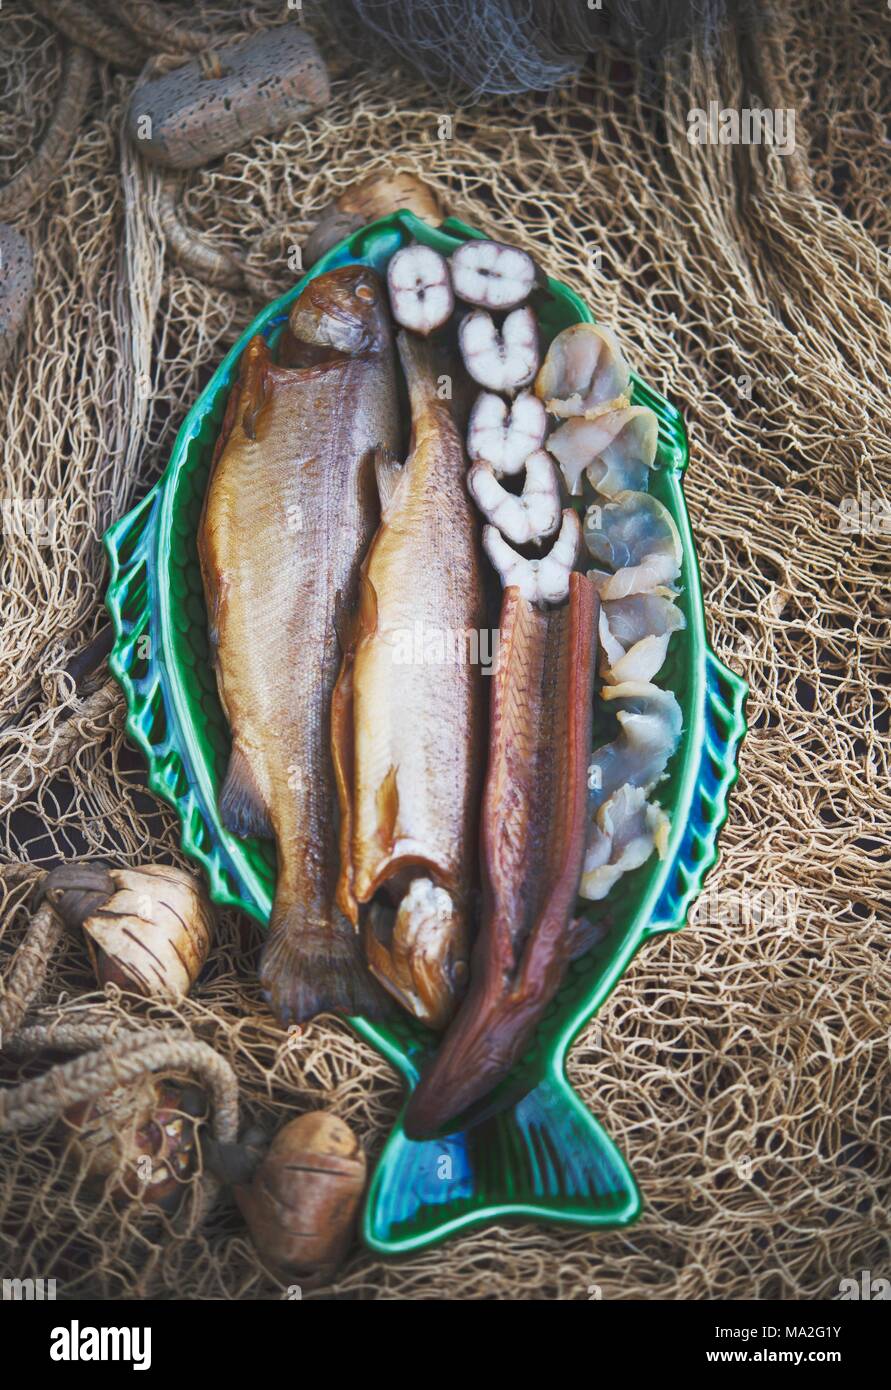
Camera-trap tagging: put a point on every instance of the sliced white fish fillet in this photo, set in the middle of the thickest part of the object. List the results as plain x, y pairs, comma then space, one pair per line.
492, 275
420, 290
650, 724
505, 435
616, 448
623, 835
634, 636
531, 516
637, 616
635, 537
545, 580
584, 371
641, 663
502, 361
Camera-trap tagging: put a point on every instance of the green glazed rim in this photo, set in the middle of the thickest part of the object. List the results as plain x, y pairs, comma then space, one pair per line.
160, 657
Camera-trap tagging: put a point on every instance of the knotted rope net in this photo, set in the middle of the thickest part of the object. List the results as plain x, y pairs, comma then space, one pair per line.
743, 1065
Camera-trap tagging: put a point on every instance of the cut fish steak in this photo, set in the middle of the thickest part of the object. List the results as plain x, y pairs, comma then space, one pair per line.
420, 289
505, 435
634, 635
634, 535
544, 580
616, 450
492, 275
623, 835
650, 724
500, 361
530, 517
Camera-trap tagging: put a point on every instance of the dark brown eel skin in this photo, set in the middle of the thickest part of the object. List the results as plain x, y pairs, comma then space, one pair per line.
533, 835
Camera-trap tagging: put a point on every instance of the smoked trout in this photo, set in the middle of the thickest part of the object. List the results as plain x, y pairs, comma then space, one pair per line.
290, 510
408, 714
534, 830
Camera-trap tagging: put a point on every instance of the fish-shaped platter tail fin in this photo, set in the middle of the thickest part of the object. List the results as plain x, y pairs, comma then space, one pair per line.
316, 971
242, 809
543, 1158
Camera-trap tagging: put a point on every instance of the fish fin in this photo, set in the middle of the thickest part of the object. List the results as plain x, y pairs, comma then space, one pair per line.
387, 806
229, 418
556, 1164
308, 969
255, 384
389, 471
345, 625
242, 809
366, 619
352, 624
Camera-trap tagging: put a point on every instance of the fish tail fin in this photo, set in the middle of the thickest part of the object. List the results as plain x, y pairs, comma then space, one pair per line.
308, 969
543, 1157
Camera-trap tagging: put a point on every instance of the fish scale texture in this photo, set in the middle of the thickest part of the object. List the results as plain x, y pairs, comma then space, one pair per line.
742, 1065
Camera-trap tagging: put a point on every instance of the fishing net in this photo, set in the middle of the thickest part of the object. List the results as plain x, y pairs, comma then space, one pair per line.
742, 1066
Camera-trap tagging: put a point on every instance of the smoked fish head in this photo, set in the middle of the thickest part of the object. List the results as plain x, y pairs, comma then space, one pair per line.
344, 311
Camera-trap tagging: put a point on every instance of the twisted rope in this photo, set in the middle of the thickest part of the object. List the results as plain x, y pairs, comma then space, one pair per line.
31, 182
121, 1057
75, 733
154, 26
189, 248
28, 970
80, 22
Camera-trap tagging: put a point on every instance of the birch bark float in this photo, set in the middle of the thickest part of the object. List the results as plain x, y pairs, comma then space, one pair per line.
377, 196
187, 117
147, 930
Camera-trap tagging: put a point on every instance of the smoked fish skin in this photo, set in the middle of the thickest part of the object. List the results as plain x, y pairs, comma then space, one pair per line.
409, 711
533, 835
289, 512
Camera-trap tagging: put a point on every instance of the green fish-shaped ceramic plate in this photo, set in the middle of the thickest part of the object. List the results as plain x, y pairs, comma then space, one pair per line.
533, 1151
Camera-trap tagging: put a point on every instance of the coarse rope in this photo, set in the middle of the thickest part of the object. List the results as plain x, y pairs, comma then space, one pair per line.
119, 1058
81, 729
81, 22
154, 25
28, 970
32, 181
